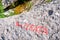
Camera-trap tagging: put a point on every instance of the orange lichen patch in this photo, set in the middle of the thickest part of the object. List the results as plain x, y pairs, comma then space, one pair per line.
20, 8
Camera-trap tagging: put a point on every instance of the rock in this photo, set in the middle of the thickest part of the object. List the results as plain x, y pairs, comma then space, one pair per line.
50, 12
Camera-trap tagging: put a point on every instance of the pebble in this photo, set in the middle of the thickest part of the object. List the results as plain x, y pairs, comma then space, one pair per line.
57, 14
3, 38
50, 12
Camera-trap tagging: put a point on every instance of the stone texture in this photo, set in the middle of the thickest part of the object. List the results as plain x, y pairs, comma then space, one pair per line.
38, 15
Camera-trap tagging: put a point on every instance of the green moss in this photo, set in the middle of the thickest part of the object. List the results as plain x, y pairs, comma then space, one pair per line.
48, 0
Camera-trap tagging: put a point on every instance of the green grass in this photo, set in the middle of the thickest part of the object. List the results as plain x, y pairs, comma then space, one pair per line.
1, 7
1, 10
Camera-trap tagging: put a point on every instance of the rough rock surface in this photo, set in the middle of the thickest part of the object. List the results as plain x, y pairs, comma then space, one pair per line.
38, 15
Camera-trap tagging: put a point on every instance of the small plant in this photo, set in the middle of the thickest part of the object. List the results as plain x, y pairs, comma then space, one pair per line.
1, 10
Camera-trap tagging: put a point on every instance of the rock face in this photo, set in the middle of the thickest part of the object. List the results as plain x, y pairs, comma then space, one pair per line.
38, 15
6, 3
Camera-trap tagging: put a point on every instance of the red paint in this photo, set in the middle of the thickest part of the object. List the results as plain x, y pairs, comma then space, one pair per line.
31, 27
37, 29
17, 24
26, 26
45, 31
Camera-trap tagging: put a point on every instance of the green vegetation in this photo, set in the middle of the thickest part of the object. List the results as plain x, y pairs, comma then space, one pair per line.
11, 13
2, 15
1, 10
48, 0
1, 7
29, 5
